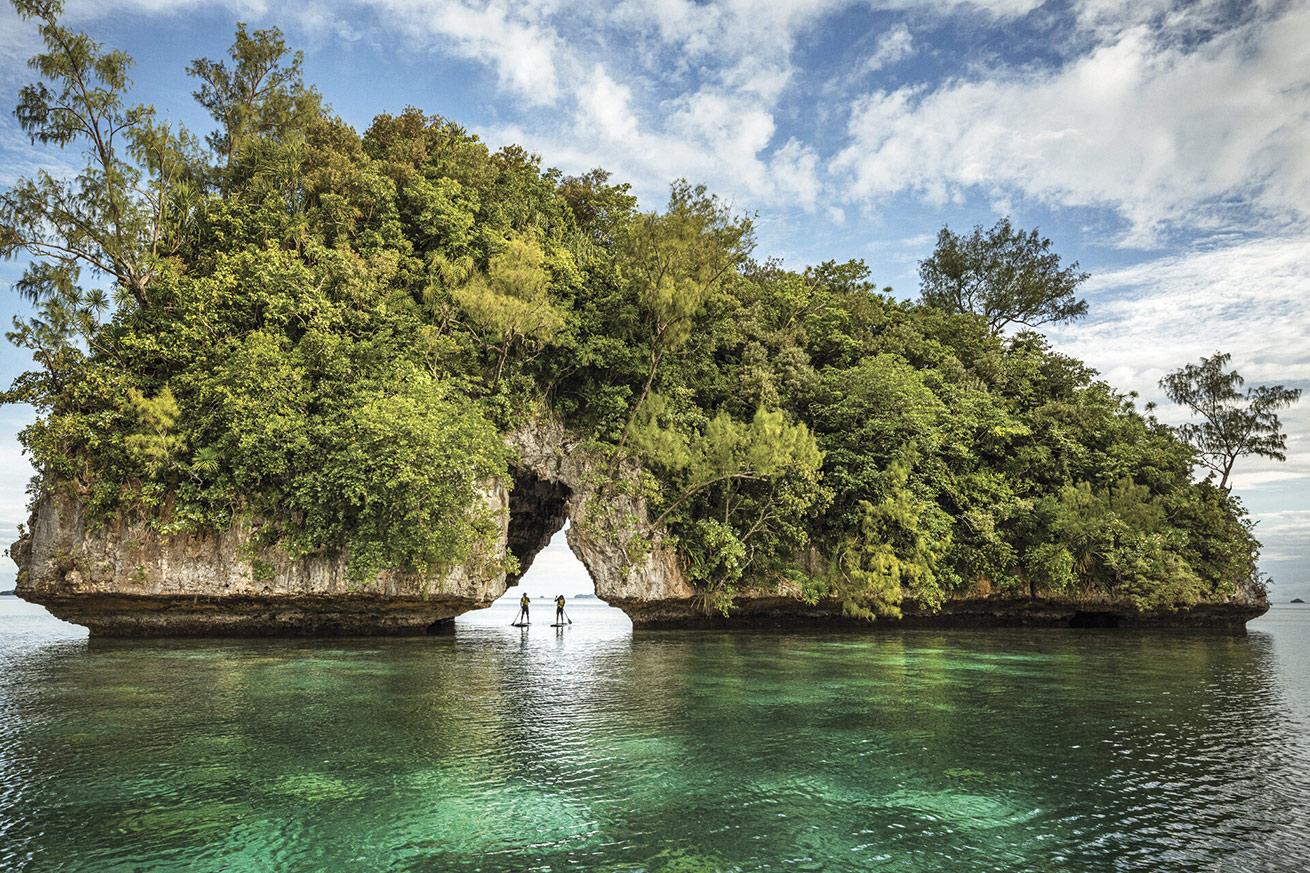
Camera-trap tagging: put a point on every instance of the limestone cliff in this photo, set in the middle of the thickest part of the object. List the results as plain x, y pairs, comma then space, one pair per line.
124, 579
602, 524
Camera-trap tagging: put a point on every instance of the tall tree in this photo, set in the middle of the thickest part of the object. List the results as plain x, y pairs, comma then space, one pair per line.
1007, 276
115, 216
259, 94
1233, 423
510, 303
674, 262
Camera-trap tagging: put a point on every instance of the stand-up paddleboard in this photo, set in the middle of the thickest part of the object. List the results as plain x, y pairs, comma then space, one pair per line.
559, 624
520, 624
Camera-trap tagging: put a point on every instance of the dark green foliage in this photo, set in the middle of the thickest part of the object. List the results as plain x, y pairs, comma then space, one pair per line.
1007, 276
330, 333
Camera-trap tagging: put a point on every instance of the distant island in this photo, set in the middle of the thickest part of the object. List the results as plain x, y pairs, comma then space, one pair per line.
1294, 599
11, 592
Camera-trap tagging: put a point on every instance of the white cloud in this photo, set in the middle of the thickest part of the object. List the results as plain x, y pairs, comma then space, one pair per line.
728, 64
707, 135
21, 159
607, 105
83, 10
1249, 299
15, 471
1284, 535
515, 39
995, 8
18, 42
746, 45
794, 174
725, 31
892, 47
1158, 132
1108, 17
1292, 522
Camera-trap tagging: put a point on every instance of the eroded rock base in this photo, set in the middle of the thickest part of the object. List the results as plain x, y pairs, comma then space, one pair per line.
784, 613
374, 615
362, 615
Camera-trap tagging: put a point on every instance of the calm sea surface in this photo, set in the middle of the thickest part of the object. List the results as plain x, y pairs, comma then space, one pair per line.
594, 749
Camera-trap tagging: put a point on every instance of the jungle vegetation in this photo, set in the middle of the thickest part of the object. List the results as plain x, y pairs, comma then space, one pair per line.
331, 331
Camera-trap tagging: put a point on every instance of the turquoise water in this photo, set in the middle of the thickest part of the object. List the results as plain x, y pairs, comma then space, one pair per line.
594, 749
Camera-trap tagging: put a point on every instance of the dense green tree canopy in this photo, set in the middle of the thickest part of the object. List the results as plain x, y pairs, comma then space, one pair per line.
331, 332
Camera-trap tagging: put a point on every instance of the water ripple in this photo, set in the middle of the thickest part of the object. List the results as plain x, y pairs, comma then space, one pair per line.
592, 749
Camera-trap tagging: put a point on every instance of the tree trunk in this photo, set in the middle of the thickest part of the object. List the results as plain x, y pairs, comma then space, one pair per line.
641, 398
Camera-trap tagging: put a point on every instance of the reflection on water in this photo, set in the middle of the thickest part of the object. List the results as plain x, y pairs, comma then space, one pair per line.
592, 748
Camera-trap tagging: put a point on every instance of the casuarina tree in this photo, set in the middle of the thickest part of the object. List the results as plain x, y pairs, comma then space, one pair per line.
1007, 276
1233, 423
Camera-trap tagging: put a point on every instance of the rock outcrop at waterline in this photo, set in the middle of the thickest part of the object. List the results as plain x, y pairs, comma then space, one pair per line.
125, 579
776, 610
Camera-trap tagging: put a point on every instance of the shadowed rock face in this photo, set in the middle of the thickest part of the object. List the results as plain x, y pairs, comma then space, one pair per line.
123, 579
536, 512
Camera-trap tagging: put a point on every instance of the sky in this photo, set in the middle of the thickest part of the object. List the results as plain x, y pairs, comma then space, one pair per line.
1165, 146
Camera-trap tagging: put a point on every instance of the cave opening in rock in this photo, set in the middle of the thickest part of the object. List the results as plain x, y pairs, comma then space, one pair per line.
538, 538
537, 511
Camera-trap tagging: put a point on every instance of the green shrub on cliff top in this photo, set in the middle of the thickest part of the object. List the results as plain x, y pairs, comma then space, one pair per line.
331, 331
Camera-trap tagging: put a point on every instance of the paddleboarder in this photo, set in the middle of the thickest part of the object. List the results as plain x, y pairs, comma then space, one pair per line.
524, 603
559, 610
